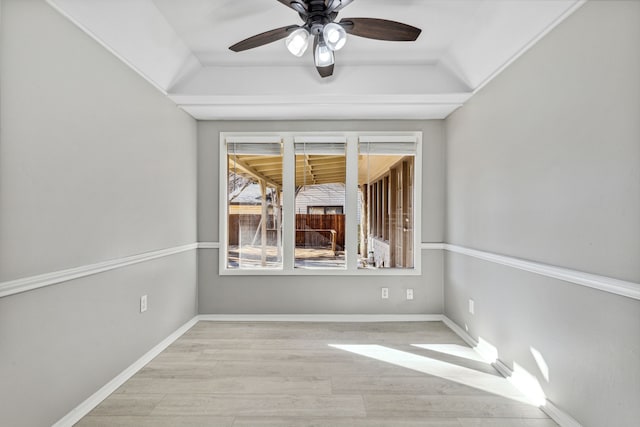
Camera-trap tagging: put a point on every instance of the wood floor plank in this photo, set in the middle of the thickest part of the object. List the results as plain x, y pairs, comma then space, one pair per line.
229, 385
304, 369
150, 421
421, 384
261, 405
119, 404
344, 422
322, 354
506, 422
449, 406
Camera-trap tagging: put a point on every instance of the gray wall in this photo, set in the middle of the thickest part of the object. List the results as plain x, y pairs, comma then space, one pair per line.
544, 164
95, 164
320, 294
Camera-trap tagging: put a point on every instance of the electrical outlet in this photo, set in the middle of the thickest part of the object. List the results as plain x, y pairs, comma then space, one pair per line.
472, 307
143, 303
409, 293
385, 293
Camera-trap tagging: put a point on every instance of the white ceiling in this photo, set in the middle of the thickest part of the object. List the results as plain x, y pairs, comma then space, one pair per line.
181, 47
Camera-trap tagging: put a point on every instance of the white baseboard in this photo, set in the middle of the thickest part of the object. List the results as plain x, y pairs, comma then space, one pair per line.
556, 414
94, 400
559, 416
321, 317
459, 331
504, 370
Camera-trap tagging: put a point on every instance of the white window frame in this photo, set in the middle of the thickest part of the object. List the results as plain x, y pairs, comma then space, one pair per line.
351, 203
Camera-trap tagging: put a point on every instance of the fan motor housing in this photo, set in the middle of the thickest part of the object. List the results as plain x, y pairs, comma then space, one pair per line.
317, 17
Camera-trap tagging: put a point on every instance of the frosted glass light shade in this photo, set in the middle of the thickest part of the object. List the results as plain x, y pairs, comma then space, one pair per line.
297, 41
323, 55
334, 36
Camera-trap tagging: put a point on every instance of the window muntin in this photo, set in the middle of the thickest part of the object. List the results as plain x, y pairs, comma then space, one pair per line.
361, 219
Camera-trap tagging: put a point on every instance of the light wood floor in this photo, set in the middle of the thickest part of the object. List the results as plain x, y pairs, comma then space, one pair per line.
317, 374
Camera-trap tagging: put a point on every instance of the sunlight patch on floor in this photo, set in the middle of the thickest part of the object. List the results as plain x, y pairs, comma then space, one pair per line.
494, 384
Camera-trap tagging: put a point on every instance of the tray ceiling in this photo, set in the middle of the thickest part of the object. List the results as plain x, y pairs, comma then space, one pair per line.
181, 47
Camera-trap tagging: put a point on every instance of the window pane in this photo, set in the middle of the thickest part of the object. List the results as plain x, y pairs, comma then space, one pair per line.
254, 205
320, 203
385, 187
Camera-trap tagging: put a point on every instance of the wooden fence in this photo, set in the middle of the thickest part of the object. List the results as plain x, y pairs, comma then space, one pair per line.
312, 231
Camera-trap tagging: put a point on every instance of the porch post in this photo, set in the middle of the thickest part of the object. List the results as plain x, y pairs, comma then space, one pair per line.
263, 190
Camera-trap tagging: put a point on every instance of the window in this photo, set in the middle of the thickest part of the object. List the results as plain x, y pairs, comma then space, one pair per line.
254, 207
320, 178
325, 210
386, 185
334, 203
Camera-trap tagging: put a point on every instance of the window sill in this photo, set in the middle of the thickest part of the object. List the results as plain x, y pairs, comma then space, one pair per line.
321, 272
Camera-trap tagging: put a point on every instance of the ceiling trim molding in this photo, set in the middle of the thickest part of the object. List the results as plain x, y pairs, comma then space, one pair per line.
95, 37
375, 111
334, 107
164, 51
346, 99
530, 44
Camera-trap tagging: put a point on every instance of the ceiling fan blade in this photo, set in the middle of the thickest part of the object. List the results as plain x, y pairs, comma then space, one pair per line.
325, 71
380, 29
263, 38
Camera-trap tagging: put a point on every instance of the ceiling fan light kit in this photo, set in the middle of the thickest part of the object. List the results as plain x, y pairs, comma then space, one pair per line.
328, 36
334, 36
297, 42
323, 55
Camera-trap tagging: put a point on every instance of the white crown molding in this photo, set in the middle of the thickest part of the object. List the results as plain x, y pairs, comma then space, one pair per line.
321, 317
16, 286
556, 414
572, 8
141, 38
326, 111
94, 400
102, 43
603, 283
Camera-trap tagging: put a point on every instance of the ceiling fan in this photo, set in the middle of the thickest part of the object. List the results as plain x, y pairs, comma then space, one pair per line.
328, 36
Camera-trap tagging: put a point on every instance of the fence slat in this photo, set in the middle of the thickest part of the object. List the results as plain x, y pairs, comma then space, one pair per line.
312, 230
